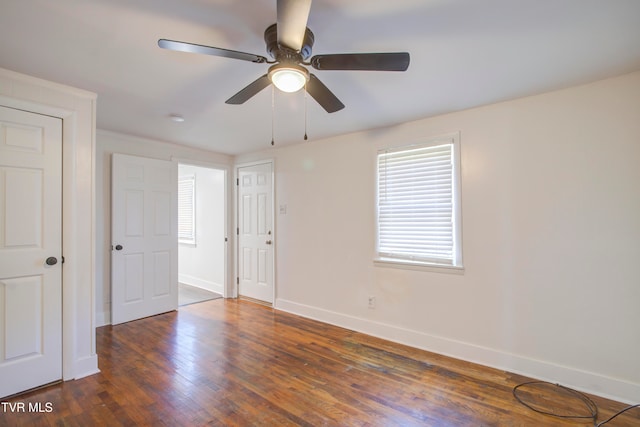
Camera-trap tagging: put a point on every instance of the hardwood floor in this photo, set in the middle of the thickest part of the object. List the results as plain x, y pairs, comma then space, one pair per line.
236, 363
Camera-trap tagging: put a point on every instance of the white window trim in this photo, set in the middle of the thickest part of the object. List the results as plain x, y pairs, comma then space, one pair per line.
189, 240
458, 266
418, 266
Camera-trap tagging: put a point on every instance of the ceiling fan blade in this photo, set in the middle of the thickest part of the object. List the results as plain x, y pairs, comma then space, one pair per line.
250, 90
391, 61
292, 22
323, 95
209, 50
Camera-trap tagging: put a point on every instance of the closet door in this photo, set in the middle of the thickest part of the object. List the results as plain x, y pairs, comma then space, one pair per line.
30, 250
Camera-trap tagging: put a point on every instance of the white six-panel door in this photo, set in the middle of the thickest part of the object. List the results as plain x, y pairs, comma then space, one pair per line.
255, 232
144, 230
30, 234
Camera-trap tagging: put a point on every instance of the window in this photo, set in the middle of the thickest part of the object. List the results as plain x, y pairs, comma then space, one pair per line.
418, 203
187, 209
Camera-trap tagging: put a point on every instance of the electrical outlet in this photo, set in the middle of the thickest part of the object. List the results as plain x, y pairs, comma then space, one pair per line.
372, 302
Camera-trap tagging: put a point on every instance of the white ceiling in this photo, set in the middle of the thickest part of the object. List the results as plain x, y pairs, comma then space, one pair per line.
464, 53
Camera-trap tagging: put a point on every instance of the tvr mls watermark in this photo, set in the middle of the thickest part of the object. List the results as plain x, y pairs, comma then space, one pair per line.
13, 407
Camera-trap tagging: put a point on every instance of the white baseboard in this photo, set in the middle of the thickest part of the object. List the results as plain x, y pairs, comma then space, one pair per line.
86, 366
588, 382
201, 283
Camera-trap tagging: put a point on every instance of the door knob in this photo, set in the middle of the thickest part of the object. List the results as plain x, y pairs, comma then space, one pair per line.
118, 247
268, 242
51, 260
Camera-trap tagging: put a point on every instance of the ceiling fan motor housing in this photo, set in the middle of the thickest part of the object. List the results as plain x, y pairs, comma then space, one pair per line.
284, 54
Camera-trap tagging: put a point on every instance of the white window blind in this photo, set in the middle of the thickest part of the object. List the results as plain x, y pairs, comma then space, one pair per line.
416, 211
186, 209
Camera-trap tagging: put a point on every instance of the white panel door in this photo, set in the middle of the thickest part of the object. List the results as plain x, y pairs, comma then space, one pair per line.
255, 236
144, 232
30, 240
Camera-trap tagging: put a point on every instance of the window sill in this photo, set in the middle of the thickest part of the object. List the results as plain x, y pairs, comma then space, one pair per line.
418, 266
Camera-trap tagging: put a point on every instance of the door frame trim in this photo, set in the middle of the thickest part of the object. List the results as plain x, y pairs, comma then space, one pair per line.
228, 213
236, 268
77, 109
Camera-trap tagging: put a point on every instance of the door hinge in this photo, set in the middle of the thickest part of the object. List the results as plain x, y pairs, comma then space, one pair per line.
238, 231
237, 280
237, 181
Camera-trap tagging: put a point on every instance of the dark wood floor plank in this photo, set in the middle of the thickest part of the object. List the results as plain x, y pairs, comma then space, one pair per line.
236, 363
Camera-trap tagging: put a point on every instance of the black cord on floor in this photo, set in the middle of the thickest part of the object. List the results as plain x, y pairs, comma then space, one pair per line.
589, 404
618, 413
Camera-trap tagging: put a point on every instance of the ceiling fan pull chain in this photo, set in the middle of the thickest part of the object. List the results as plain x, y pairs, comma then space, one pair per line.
305, 111
273, 113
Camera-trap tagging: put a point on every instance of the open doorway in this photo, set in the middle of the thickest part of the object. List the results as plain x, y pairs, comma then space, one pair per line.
201, 233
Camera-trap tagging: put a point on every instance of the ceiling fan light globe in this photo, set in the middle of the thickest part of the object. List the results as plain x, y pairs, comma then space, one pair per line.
288, 78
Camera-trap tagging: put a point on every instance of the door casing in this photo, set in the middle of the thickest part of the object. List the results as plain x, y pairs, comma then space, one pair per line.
227, 290
77, 109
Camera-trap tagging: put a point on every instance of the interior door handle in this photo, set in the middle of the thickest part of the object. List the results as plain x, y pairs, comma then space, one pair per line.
268, 242
118, 247
51, 260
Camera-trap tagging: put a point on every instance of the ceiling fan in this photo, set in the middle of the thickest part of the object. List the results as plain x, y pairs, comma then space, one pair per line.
289, 43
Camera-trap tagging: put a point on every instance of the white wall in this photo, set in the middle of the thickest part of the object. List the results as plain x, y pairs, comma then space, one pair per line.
551, 238
107, 144
202, 264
